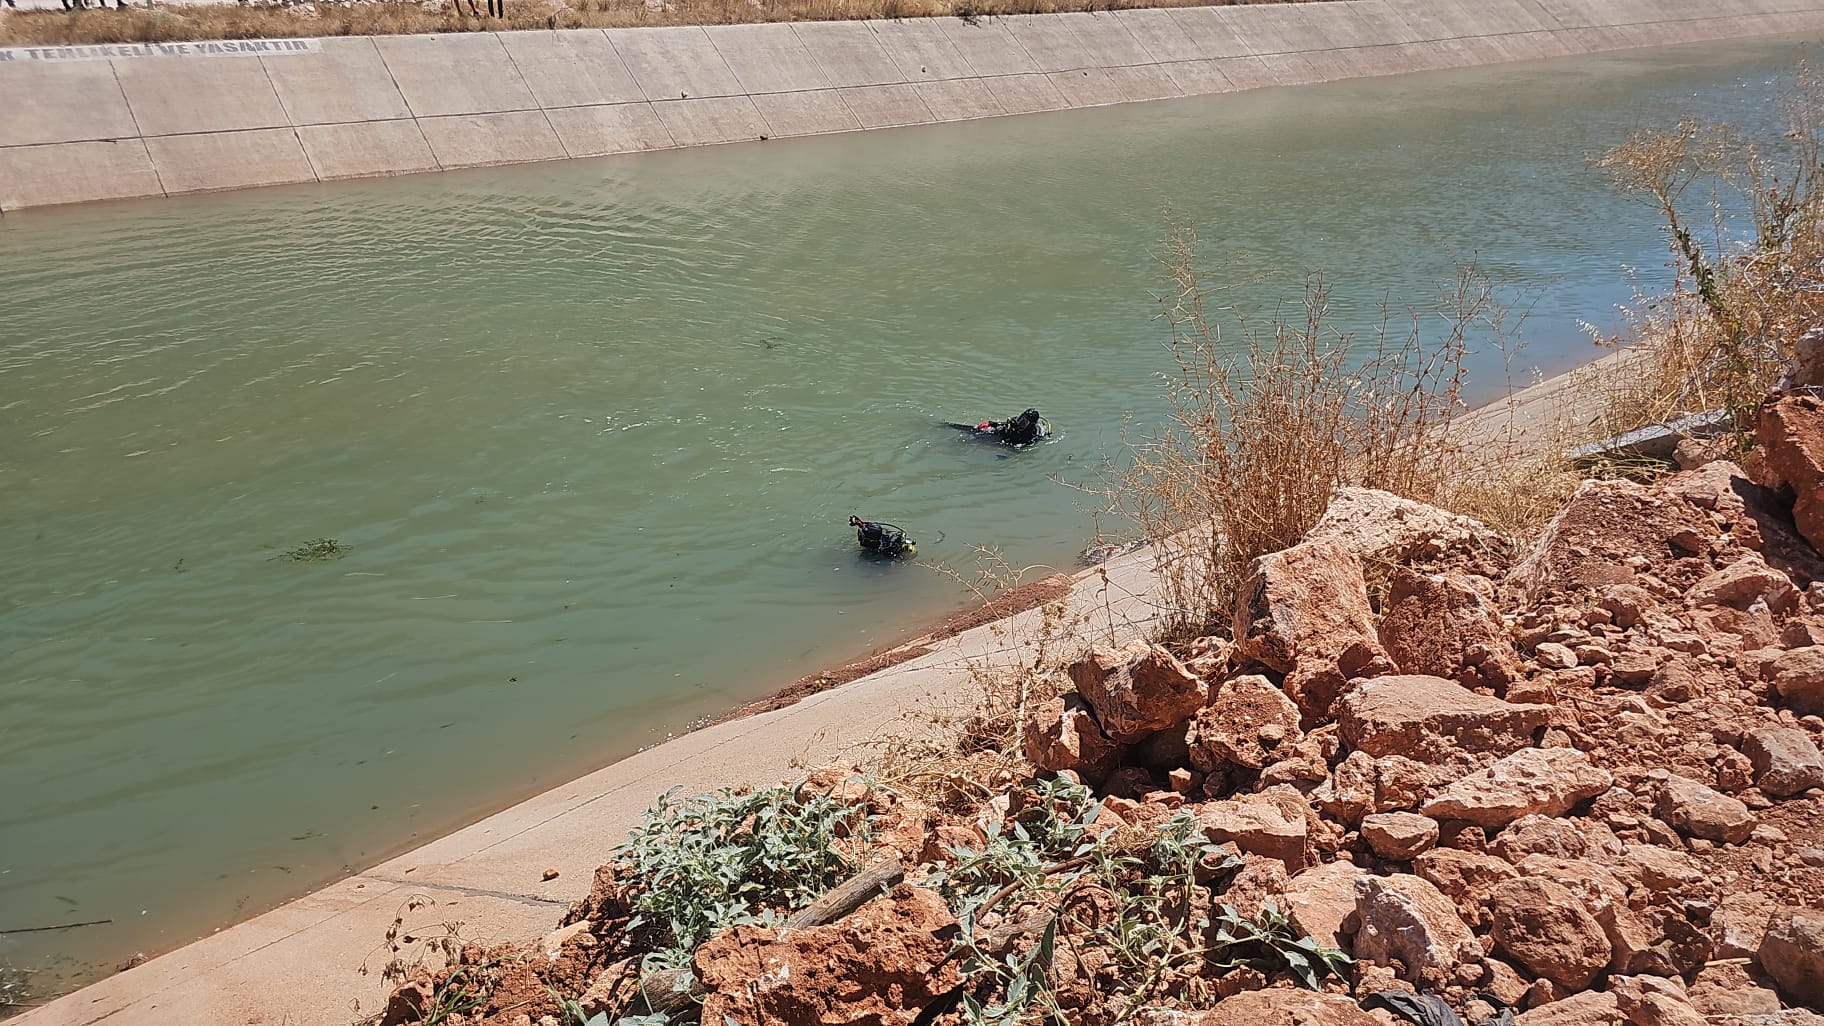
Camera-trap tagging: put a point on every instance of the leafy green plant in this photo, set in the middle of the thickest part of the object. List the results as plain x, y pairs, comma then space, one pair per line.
703, 864
1271, 944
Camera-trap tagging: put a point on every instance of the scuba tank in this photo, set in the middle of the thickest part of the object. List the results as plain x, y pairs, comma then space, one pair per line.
883, 539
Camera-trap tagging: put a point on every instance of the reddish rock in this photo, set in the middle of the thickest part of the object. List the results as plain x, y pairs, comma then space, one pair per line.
1280, 1006
1661, 870
1542, 926
1727, 988
1062, 735
1405, 918
1601, 535
1791, 433
1793, 954
1698, 811
1740, 923
1248, 723
1321, 902
1431, 719
1468, 878
1784, 759
1272, 823
1304, 612
1542, 835
1654, 1001
1260, 880
1627, 604
1399, 836
1532, 781
1743, 583
1799, 677
1137, 689
1439, 625
1590, 1008
877, 966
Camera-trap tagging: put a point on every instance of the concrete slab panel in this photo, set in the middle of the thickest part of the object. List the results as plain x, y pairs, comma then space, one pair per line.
574, 68
848, 53
1151, 82
674, 63
1370, 61
1571, 14
455, 74
75, 172
1050, 42
767, 58
1377, 23
1087, 87
1199, 78
811, 113
1275, 28
1297, 69
479, 140
959, 99
1210, 32
1156, 29
1247, 72
345, 81
719, 119
887, 106
1107, 39
229, 160
921, 49
75, 101
609, 128
1026, 94
364, 149
170, 96
988, 46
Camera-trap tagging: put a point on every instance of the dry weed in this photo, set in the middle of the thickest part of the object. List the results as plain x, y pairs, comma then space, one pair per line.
157, 23
1747, 284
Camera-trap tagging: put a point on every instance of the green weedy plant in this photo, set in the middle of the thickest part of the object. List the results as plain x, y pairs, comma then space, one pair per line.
1270, 943
703, 864
316, 550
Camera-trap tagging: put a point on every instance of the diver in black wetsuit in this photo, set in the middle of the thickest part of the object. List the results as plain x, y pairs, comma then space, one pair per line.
1022, 430
882, 539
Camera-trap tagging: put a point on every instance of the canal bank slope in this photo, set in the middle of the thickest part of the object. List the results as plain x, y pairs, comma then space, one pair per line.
116, 122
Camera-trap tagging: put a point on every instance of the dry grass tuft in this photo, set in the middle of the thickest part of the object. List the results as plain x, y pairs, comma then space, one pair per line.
1741, 298
155, 23
1269, 420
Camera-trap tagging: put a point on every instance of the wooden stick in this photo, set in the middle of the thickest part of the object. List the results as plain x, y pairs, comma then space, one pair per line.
877, 878
64, 926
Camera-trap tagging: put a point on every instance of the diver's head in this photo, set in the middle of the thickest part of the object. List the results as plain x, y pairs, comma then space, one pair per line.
854, 521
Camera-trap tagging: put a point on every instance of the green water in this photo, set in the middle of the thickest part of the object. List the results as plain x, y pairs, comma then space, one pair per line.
590, 431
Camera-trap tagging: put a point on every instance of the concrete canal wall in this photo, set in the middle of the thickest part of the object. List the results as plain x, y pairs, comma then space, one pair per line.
111, 122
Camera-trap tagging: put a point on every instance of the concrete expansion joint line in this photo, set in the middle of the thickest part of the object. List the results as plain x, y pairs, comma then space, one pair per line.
291, 122
536, 105
131, 113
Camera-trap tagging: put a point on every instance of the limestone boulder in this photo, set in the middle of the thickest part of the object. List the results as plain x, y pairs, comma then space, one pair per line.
1280, 1006
1646, 1000
1543, 927
1432, 719
1727, 987
1698, 811
1272, 823
1399, 836
1785, 760
1384, 528
1743, 583
1739, 923
878, 966
1596, 540
1062, 734
1404, 918
1590, 1008
1792, 954
1798, 676
1441, 625
1321, 902
1791, 432
1304, 612
1536, 834
1137, 689
1468, 878
1530, 782
1248, 722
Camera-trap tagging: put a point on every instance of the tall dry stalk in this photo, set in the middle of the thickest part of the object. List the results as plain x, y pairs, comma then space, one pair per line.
1746, 286
1267, 421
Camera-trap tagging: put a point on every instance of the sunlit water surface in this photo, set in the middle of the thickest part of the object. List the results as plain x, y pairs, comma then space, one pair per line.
589, 432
